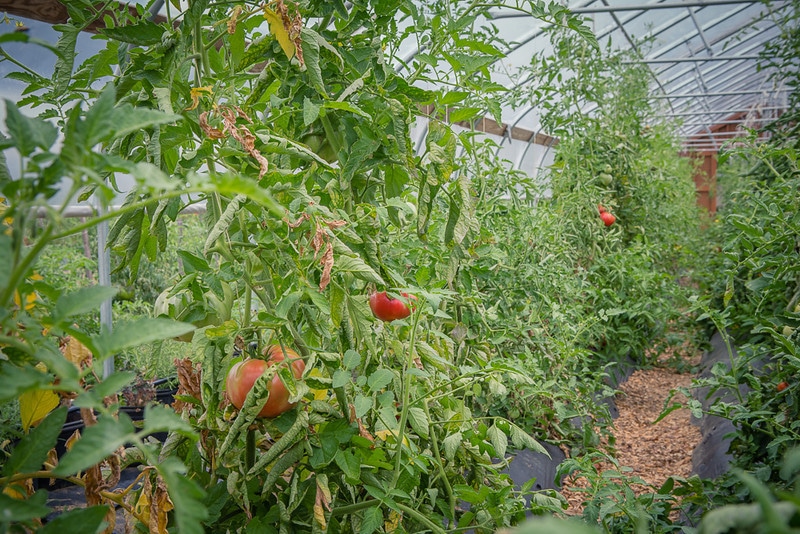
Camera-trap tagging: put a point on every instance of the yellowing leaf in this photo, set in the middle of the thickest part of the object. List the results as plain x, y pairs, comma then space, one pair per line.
278, 29
393, 522
76, 352
15, 492
35, 405
322, 501
384, 435
30, 300
196, 92
319, 394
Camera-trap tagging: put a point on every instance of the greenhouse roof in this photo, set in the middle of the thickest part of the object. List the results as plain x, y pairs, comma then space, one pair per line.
703, 56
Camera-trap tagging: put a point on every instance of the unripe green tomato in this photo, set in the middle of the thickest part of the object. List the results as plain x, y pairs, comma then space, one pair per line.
788, 330
605, 178
607, 169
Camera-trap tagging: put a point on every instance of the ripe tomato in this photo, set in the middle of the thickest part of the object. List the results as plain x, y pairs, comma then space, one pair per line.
782, 385
243, 375
387, 308
601, 209
608, 218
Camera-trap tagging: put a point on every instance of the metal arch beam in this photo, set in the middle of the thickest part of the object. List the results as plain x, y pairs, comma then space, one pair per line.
635, 48
716, 22
637, 7
724, 93
663, 5
700, 32
693, 59
676, 77
716, 112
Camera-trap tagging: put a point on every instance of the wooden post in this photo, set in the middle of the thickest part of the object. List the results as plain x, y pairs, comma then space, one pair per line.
705, 180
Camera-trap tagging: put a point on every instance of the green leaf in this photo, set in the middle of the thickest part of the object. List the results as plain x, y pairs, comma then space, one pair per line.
418, 421
16, 380
143, 33
77, 521
371, 521
234, 185
451, 444
350, 466
97, 442
23, 37
28, 133
129, 119
132, 334
464, 114
287, 303
357, 266
160, 418
99, 121
6, 258
84, 300
362, 405
112, 384
341, 378
351, 360
31, 451
522, 439
498, 439
65, 63
18, 510
347, 106
186, 495
757, 284
310, 111
743, 518
380, 379
453, 97
310, 47
359, 153
193, 263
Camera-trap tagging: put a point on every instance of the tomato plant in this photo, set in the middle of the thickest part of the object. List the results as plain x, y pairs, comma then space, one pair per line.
243, 375
387, 308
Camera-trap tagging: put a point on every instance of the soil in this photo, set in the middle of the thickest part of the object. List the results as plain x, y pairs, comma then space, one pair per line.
653, 451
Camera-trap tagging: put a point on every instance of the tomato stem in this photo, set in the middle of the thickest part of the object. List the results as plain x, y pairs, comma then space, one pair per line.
407, 378
250, 448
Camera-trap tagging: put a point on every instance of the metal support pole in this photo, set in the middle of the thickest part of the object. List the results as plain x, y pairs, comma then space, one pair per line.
104, 279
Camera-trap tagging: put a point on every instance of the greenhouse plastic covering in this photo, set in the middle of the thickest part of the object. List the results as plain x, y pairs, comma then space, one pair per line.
703, 56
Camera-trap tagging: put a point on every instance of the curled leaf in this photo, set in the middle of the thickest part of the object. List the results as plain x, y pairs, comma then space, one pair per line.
327, 266
195, 93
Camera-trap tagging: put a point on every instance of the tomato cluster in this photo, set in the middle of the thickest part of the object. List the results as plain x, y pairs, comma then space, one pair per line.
606, 216
244, 374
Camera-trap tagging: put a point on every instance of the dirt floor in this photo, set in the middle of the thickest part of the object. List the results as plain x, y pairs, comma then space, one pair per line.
654, 452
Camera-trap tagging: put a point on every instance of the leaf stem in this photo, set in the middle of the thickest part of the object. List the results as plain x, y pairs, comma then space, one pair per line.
407, 379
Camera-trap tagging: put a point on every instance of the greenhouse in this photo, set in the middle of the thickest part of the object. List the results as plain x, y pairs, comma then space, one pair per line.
514, 266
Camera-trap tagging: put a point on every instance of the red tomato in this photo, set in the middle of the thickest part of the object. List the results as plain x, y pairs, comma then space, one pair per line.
608, 218
601, 209
243, 375
388, 309
782, 385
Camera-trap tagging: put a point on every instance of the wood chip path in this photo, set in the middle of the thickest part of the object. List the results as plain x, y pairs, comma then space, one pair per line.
654, 451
